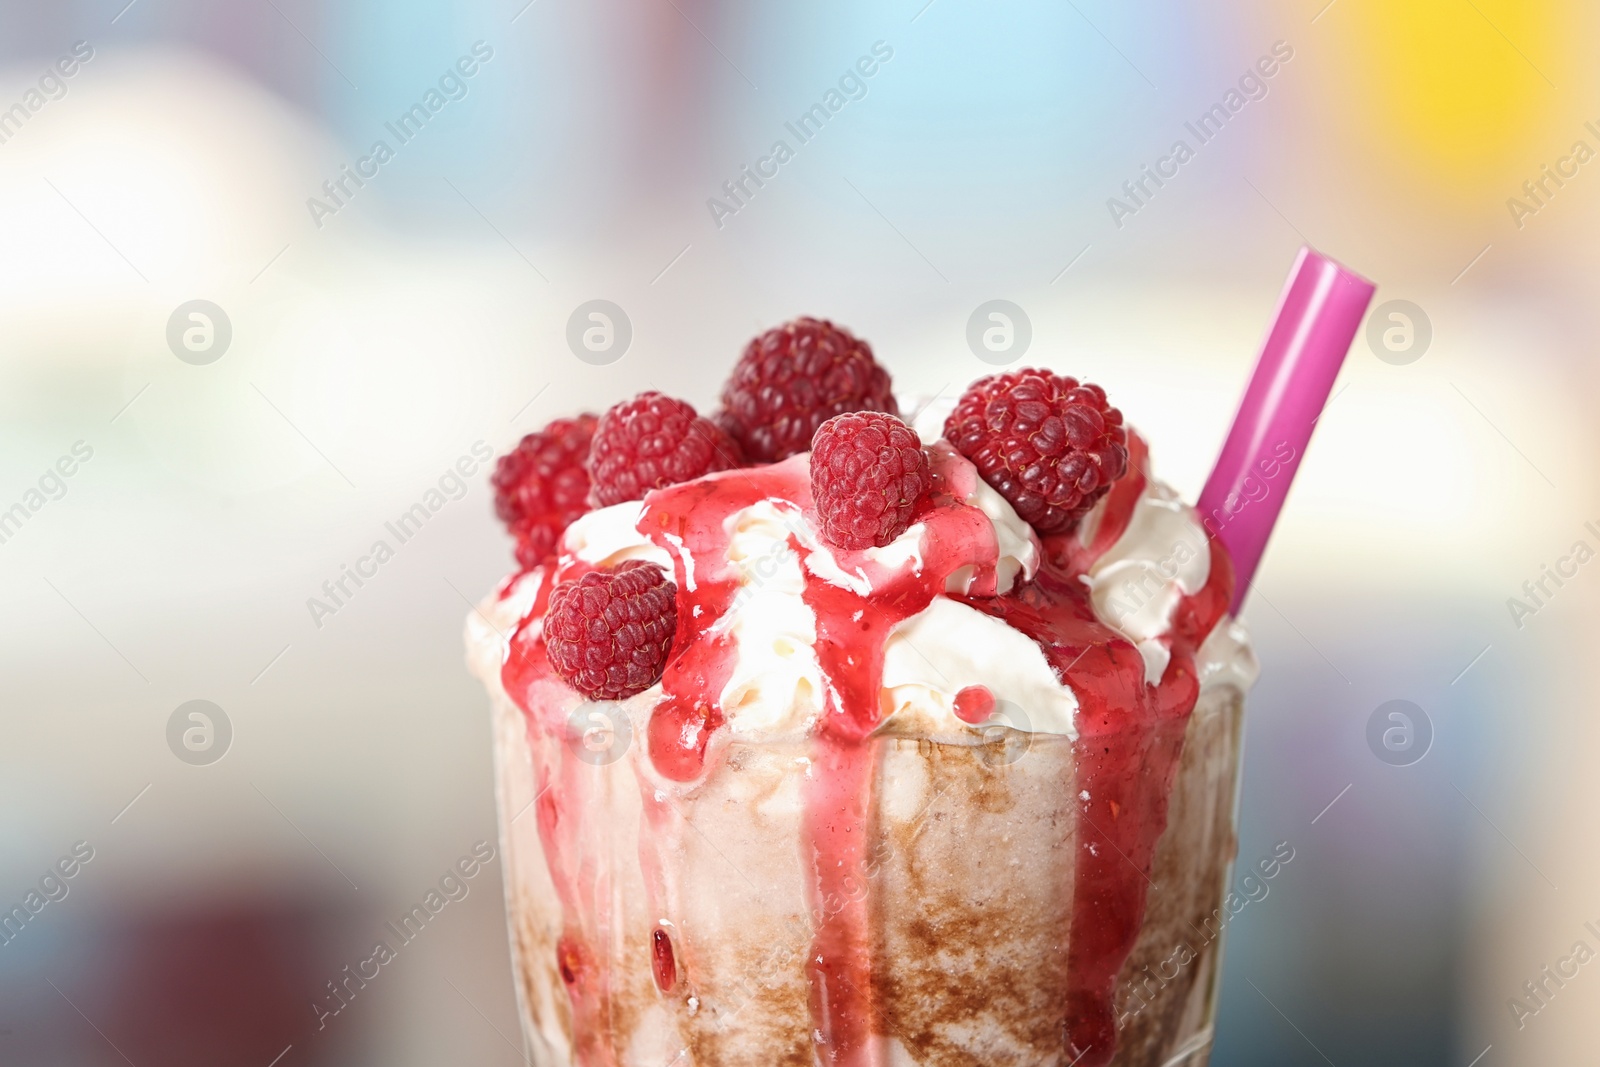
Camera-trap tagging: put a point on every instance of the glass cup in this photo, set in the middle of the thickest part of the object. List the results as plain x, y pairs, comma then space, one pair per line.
655, 923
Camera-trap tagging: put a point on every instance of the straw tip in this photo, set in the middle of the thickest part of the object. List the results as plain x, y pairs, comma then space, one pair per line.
1310, 258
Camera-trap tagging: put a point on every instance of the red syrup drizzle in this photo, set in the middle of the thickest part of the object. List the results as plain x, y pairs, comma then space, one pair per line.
690, 520
1130, 733
851, 630
662, 963
974, 704
1130, 736
681, 725
576, 871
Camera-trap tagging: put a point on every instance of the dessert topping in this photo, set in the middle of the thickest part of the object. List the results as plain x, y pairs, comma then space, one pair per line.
542, 484
868, 474
609, 632
652, 441
794, 378
1048, 444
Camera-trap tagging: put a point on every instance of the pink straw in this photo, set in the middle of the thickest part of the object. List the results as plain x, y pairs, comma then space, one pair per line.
1318, 316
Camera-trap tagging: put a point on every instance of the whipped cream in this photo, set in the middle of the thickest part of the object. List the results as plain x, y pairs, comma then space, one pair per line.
491, 623
948, 646
1162, 557
606, 537
777, 680
1226, 658
776, 685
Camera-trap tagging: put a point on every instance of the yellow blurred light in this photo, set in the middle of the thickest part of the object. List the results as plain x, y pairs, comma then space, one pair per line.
1457, 90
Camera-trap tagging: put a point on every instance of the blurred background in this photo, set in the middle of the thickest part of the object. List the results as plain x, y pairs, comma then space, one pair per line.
169, 504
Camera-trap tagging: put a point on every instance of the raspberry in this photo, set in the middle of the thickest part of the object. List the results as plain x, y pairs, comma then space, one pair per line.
609, 633
792, 379
652, 441
868, 473
1049, 445
541, 485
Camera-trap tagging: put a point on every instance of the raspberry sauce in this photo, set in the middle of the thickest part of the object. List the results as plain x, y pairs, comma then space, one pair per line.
574, 866
1130, 732
1130, 736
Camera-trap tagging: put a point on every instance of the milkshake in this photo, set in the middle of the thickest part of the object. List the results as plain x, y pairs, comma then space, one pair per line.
824, 738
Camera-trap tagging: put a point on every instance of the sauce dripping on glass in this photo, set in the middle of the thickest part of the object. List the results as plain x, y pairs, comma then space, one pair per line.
1130, 733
